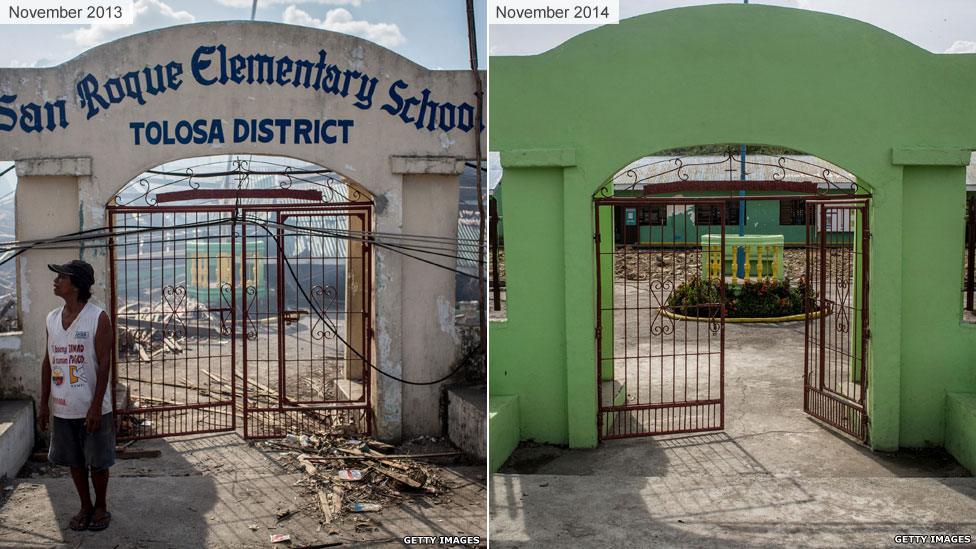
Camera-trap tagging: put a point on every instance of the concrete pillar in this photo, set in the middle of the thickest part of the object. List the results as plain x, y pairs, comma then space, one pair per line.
430, 207
355, 310
54, 184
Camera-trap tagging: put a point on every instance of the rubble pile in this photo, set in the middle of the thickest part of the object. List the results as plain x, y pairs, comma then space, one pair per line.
682, 265
356, 475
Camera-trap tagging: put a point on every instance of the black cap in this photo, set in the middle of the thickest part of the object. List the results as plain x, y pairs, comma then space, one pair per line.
81, 272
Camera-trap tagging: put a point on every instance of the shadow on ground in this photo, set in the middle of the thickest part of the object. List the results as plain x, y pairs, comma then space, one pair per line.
774, 477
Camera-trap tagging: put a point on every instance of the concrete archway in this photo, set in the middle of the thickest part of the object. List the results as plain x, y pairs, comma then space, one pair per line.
893, 114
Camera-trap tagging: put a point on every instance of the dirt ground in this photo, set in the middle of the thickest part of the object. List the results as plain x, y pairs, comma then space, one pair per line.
219, 491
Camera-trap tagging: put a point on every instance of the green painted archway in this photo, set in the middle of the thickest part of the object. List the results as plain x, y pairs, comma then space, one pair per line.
901, 118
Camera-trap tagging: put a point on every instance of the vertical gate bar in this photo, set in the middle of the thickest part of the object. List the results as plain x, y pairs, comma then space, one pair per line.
721, 356
245, 318
113, 303
865, 319
807, 309
233, 326
664, 299
280, 305
367, 307
599, 321
823, 293
707, 258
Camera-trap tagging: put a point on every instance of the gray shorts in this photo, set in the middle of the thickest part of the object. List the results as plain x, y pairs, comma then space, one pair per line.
73, 446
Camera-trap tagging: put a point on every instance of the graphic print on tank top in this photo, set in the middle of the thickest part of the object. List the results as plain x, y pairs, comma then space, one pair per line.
74, 363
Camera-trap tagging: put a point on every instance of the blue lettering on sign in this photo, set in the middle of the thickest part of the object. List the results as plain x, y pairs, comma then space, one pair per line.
297, 131
212, 65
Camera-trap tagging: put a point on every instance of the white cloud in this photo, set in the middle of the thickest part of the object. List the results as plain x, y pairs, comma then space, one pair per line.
149, 14
340, 20
264, 3
962, 46
41, 62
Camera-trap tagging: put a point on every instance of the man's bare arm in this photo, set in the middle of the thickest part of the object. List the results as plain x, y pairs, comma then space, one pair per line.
43, 412
103, 351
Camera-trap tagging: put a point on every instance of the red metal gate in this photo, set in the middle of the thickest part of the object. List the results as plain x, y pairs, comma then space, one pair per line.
305, 346
660, 364
267, 302
835, 363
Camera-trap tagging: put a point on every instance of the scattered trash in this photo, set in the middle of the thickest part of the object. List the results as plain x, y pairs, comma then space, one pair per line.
7, 488
253, 527
544, 485
280, 538
356, 474
145, 423
283, 515
349, 474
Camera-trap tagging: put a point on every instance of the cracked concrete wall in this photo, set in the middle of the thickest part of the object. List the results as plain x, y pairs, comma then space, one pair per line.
429, 337
71, 171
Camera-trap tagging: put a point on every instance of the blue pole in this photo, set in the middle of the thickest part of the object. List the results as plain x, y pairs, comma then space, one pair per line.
741, 253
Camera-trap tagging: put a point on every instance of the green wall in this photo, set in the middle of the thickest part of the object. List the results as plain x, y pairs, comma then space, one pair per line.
898, 117
762, 217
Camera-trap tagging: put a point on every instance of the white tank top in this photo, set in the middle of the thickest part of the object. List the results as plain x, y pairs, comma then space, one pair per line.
74, 364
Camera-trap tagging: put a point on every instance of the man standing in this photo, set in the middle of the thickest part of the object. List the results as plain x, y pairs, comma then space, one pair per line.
78, 358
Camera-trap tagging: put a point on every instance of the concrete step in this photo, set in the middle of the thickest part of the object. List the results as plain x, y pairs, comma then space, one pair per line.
16, 435
467, 417
503, 423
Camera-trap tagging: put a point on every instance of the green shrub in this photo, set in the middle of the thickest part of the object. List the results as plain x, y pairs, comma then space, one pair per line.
763, 299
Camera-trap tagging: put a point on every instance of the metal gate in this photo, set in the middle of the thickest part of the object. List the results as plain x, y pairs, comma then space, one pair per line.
661, 363
835, 350
254, 308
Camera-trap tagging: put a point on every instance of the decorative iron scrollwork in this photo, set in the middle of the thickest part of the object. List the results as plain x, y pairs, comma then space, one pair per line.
174, 297
250, 298
328, 295
676, 169
226, 305
660, 290
242, 173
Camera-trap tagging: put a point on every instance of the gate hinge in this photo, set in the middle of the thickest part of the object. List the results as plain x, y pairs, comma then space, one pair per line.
868, 234
369, 333
596, 238
867, 333
598, 332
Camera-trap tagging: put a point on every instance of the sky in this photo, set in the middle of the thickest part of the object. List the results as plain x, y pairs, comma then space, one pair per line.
432, 33
940, 26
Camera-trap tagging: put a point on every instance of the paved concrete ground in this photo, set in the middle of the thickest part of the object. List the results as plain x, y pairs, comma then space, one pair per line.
773, 478
208, 490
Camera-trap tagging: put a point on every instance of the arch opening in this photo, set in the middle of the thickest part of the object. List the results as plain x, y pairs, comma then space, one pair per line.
693, 246
241, 293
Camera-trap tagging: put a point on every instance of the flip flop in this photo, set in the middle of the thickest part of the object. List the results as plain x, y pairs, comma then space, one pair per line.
97, 525
80, 521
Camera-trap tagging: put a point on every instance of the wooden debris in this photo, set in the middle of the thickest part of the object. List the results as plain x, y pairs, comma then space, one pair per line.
376, 481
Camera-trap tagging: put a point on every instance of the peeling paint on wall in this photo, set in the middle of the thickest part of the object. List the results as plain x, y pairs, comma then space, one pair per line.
445, 317
24, 288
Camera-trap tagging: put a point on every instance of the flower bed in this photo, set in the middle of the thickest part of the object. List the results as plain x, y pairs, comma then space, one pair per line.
753, 300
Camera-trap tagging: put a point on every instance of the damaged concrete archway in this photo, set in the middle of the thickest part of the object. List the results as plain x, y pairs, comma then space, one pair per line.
80, 130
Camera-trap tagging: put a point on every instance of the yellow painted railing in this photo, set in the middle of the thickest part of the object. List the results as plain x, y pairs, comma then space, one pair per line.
763, 256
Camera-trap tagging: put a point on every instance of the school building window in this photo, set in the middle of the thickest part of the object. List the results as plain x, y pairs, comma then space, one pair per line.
710, 214
792, 212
